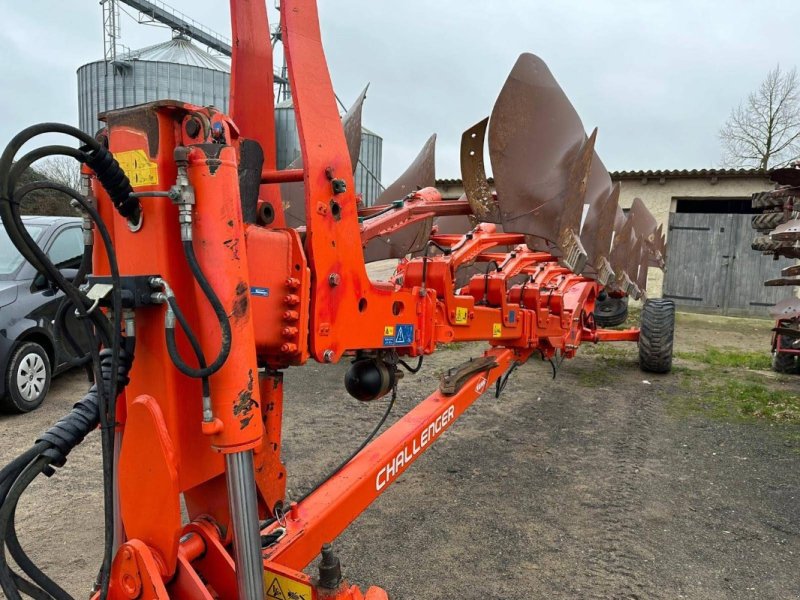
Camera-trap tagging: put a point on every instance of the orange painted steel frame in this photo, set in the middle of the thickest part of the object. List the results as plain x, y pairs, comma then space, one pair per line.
311, 291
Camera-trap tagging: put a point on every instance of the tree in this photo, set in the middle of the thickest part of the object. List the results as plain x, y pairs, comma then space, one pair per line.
764, 130
61, 169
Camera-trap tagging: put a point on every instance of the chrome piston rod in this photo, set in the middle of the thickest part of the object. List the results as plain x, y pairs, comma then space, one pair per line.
240, 476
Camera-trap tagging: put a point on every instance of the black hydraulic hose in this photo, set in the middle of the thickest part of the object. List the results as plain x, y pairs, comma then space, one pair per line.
409, 368
116, 183
172, 348
219, 311
108, 171
50, 587
9, 506
357, 450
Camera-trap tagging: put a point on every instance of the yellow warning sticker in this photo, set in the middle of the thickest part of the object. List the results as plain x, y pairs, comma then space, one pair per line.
388, 330
461, 315
282, 588
138, 167
497, 329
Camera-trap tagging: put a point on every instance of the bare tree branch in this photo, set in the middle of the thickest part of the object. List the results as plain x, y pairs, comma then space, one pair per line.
764, 130
61, 169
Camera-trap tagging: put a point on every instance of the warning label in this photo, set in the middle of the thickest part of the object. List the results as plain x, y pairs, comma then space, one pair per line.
497, 329
138, 167
399, 335
462, 314
282, 588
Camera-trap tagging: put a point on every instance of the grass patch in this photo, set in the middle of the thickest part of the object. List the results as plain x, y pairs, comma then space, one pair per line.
729, 358
453, 346
735, 398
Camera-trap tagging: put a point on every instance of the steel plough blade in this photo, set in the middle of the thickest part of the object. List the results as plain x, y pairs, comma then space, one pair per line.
598, 226
293, 194
645, 227
406, 240
473, 174
623, 258
541, 159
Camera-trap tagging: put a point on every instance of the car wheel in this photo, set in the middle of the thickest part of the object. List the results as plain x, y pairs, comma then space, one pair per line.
27, 379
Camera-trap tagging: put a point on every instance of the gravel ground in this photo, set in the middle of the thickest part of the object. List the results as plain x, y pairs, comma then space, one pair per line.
598, 484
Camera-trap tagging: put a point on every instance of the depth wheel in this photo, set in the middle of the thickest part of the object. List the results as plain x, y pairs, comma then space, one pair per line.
783, 362
656, 336
610, 312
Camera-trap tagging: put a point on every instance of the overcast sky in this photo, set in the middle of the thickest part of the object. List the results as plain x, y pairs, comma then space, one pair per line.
657, 77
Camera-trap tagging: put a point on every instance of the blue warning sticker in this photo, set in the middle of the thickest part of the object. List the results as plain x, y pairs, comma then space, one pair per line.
259, 291
398, 335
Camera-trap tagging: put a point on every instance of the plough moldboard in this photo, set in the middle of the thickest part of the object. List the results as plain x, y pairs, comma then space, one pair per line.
778, 235
213, 273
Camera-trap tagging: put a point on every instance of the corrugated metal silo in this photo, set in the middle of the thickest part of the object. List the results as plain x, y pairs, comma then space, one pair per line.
174, 70
368, 171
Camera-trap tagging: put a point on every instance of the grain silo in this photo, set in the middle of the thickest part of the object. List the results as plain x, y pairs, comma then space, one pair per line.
368, 171
179, 70
174, 70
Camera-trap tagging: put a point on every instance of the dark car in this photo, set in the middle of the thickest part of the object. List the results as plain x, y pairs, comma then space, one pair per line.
31, 352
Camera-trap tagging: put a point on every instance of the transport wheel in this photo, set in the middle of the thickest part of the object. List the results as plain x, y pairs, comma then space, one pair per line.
783, 362
656, 335
27, 379
610, 312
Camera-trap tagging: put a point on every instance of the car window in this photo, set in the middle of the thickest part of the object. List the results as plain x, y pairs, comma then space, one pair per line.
10, 258
67, 248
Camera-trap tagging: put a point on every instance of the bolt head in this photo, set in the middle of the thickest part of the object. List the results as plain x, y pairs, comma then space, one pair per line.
327, 356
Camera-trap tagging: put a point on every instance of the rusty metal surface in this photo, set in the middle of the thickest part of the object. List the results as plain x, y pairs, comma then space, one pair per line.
786, 309
351, 122
781, 281
791, 271
625, 269
786, 176
293, 195
787, 232
397, 244
598, 227
473, 174
540, 157
645, 227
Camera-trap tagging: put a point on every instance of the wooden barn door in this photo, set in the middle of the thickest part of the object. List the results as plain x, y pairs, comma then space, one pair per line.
711, 267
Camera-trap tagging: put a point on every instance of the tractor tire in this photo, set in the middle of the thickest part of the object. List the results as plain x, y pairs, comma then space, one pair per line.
766, 222
783, 362
610, 312
764, 243
656, 336
767, 200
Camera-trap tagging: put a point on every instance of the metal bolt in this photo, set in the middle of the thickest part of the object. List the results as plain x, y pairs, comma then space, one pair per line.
327, 356
334, 279
330, 570
192, 127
